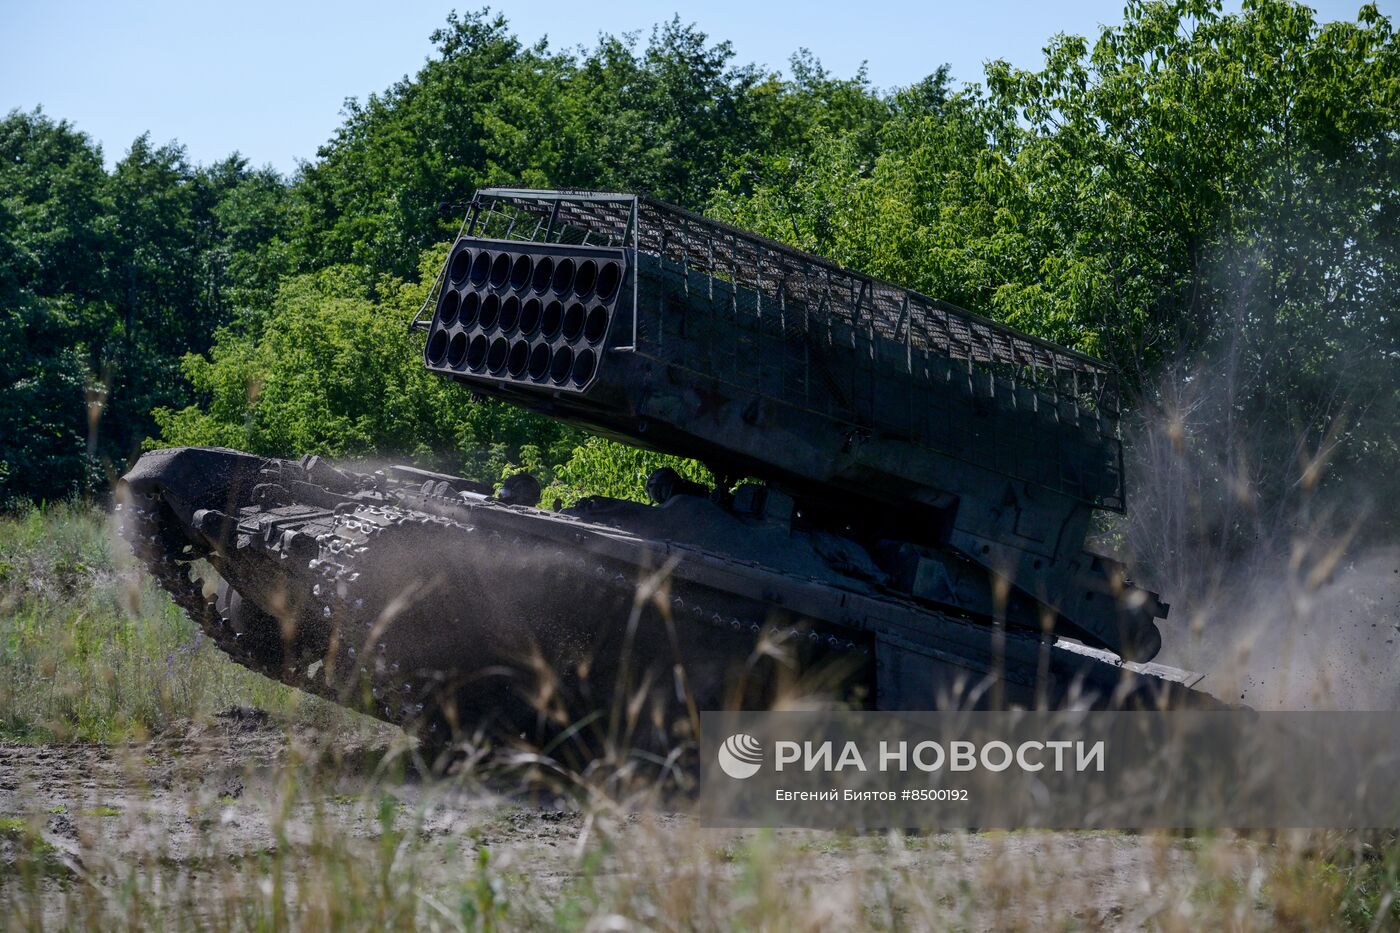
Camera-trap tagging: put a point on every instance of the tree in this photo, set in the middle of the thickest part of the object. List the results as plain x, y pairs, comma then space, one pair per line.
334, 371
667, 118
42, 417
52, 285
1192, 191
1187, 186
108, 280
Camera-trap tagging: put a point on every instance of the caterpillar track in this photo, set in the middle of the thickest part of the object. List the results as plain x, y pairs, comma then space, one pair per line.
428, 603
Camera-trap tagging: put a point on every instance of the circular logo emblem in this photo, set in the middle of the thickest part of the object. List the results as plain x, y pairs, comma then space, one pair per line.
740, 756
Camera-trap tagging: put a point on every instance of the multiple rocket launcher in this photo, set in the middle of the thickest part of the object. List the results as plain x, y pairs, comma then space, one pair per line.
902, 495
896, 416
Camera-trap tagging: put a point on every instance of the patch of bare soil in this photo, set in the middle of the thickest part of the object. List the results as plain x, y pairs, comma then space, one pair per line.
217, 796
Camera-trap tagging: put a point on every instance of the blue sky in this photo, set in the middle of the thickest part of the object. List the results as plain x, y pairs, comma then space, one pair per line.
268, 79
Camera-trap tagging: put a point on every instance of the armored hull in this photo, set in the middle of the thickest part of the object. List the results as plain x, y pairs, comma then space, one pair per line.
901, 497
428, 603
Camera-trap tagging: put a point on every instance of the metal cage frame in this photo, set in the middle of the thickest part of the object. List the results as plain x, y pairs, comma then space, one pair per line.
802, 297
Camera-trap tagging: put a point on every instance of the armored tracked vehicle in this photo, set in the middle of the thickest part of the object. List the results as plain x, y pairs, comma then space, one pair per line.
900, 500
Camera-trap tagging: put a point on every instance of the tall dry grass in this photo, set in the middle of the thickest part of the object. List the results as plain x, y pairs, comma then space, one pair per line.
172, 816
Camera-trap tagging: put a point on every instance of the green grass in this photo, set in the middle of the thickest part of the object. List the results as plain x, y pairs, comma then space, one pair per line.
92, 650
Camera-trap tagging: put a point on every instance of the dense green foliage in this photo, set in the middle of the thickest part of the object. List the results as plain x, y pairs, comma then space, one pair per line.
1187, 186
332, 370
1209, 202
488, 110
107, 279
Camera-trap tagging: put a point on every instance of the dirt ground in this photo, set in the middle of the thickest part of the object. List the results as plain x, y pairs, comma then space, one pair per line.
185, 812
